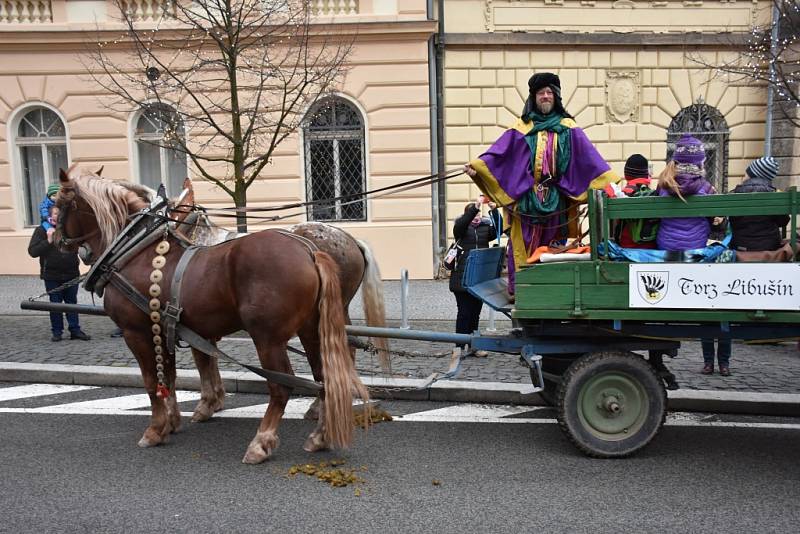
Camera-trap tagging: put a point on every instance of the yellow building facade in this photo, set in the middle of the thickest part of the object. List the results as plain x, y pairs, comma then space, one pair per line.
634, 74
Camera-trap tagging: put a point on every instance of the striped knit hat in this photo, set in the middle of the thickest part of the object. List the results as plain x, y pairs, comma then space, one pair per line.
765, 168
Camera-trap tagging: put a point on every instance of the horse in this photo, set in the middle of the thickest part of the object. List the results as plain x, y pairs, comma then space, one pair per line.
356, 262
271, 284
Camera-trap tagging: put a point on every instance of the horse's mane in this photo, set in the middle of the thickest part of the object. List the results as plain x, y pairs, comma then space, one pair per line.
107, 199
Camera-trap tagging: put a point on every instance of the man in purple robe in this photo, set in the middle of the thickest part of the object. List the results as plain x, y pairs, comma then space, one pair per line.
536, 168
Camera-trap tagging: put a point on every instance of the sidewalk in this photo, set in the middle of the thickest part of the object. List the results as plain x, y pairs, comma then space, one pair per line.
768, 370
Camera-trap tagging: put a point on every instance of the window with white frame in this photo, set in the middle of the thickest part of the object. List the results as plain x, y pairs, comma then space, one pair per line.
41, 145
159, 158
333, 134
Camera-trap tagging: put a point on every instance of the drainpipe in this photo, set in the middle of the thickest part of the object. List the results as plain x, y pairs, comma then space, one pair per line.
437, 244
436, 97
440, 146
770, 90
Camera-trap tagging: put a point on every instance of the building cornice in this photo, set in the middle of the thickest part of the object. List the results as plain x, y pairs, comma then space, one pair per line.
683, 39
71, 37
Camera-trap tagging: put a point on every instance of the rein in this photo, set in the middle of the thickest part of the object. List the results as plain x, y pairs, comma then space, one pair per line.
69, 241
239, 212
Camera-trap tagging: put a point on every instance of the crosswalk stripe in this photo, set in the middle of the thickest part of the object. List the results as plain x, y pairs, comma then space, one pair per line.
127, 402
469, 412
38, 390
295, 407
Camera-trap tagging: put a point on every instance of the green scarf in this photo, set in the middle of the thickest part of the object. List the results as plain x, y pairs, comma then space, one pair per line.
551, 123
530, 203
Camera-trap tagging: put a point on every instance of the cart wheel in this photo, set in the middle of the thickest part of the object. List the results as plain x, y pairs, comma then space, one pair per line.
611, 404
554, 366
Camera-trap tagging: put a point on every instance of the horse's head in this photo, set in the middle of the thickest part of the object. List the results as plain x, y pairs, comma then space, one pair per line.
92, 211
76, 224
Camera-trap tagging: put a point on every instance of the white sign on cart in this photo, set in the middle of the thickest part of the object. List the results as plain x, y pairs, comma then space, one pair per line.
732, 286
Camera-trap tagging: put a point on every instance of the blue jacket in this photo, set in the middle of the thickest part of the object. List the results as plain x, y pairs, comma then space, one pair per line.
44, 212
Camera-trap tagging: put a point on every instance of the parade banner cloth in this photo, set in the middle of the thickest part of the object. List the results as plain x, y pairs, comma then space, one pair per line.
731, 286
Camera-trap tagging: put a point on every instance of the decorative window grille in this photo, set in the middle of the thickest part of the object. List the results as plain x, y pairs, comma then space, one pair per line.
41, 143
159, 129
708, 125
334, 161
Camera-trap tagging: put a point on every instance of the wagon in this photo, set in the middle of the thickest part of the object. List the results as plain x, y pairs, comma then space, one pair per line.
594, 332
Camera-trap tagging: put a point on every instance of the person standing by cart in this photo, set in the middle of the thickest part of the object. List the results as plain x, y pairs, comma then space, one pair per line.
471, 231
684, 176
56, 268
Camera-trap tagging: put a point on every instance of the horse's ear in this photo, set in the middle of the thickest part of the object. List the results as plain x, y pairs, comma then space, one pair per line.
62, 176
187, 184
99, 172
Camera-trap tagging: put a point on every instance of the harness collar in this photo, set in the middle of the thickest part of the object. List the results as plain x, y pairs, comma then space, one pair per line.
143, 229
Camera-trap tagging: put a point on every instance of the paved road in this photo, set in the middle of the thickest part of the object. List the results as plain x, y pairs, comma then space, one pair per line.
77, 473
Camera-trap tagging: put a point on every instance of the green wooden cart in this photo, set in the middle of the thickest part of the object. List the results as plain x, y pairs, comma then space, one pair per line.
586, 318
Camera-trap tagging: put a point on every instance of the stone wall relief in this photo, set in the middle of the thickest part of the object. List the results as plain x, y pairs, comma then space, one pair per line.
622, 96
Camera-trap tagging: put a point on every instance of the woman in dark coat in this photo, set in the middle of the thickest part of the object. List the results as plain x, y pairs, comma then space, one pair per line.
56, 268
471, 231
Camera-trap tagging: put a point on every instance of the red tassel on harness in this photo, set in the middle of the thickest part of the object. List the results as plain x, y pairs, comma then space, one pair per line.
162, 391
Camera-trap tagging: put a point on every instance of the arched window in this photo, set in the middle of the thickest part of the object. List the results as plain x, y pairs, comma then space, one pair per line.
41, 144
159, 158
334, 157
708, 125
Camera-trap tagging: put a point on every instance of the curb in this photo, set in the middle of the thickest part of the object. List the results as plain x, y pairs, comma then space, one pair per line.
714, 401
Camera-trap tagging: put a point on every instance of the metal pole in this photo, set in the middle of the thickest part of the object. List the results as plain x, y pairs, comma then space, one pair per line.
404, 299
420, 335
38, 305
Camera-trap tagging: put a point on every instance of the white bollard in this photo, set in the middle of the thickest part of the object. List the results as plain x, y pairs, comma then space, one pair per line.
491, 327
404, 299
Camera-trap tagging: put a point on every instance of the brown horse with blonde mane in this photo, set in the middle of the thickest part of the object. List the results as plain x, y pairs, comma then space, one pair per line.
357, 268
270, 284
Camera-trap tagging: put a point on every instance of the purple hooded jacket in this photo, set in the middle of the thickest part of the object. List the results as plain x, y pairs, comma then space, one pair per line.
685, 233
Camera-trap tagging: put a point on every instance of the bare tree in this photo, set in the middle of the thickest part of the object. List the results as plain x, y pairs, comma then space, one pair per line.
228, 80
770, 55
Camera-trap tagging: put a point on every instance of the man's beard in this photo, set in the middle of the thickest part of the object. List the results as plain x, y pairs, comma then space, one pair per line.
545, 107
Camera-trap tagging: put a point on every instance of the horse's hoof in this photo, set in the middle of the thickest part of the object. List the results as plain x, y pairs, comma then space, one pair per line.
255, 454
150, 439
315, 442
201, 414
260, 448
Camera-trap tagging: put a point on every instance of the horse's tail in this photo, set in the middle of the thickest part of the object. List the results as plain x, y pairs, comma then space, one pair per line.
339, 373
374, 304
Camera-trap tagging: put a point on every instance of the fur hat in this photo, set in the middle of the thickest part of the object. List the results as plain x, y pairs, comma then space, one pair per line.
689, 150
52, 189
637, 167
766, 168
541, 80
